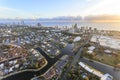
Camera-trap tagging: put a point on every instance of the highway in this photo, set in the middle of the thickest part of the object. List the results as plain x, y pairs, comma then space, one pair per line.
97, 65
77, 56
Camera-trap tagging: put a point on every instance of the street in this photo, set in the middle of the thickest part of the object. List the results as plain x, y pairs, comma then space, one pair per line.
103, 68
99, 66
77, 56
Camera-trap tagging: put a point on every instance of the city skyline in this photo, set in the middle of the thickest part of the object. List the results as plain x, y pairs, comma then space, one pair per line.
49, 9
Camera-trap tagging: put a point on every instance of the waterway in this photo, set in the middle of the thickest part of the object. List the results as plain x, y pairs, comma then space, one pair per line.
27, 75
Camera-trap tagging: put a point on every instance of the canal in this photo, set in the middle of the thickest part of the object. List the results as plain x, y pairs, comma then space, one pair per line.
27, 75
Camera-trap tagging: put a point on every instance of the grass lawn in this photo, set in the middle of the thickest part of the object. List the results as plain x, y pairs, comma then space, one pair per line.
101, 56
107, 59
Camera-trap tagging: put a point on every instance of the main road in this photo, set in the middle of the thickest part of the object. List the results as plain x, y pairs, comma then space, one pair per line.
97, 65
103, 68
77, 56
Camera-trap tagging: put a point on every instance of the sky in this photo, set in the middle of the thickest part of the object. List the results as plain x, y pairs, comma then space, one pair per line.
54, 8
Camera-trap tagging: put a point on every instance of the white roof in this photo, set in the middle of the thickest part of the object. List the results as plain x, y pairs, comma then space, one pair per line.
11, 69
107, 51
36, 54
97, 73
91, 48
77, 39
45, 42
15, 61
48, 50
1, 65
17, 65
11, 62
82, 64
43, 46
48, 44
47, 31
107, 77
90, 51
32, 50
88, 69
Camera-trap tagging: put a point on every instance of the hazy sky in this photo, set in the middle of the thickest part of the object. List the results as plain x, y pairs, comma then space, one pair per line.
54, 8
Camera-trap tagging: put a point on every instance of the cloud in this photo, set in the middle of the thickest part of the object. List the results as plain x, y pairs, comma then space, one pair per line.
103, 18
6, 12
103, 7
7, 9
89, 0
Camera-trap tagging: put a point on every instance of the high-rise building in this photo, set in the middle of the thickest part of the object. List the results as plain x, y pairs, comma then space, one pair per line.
38, 24
75, 29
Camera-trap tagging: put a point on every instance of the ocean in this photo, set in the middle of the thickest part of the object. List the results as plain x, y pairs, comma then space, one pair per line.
99, 25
